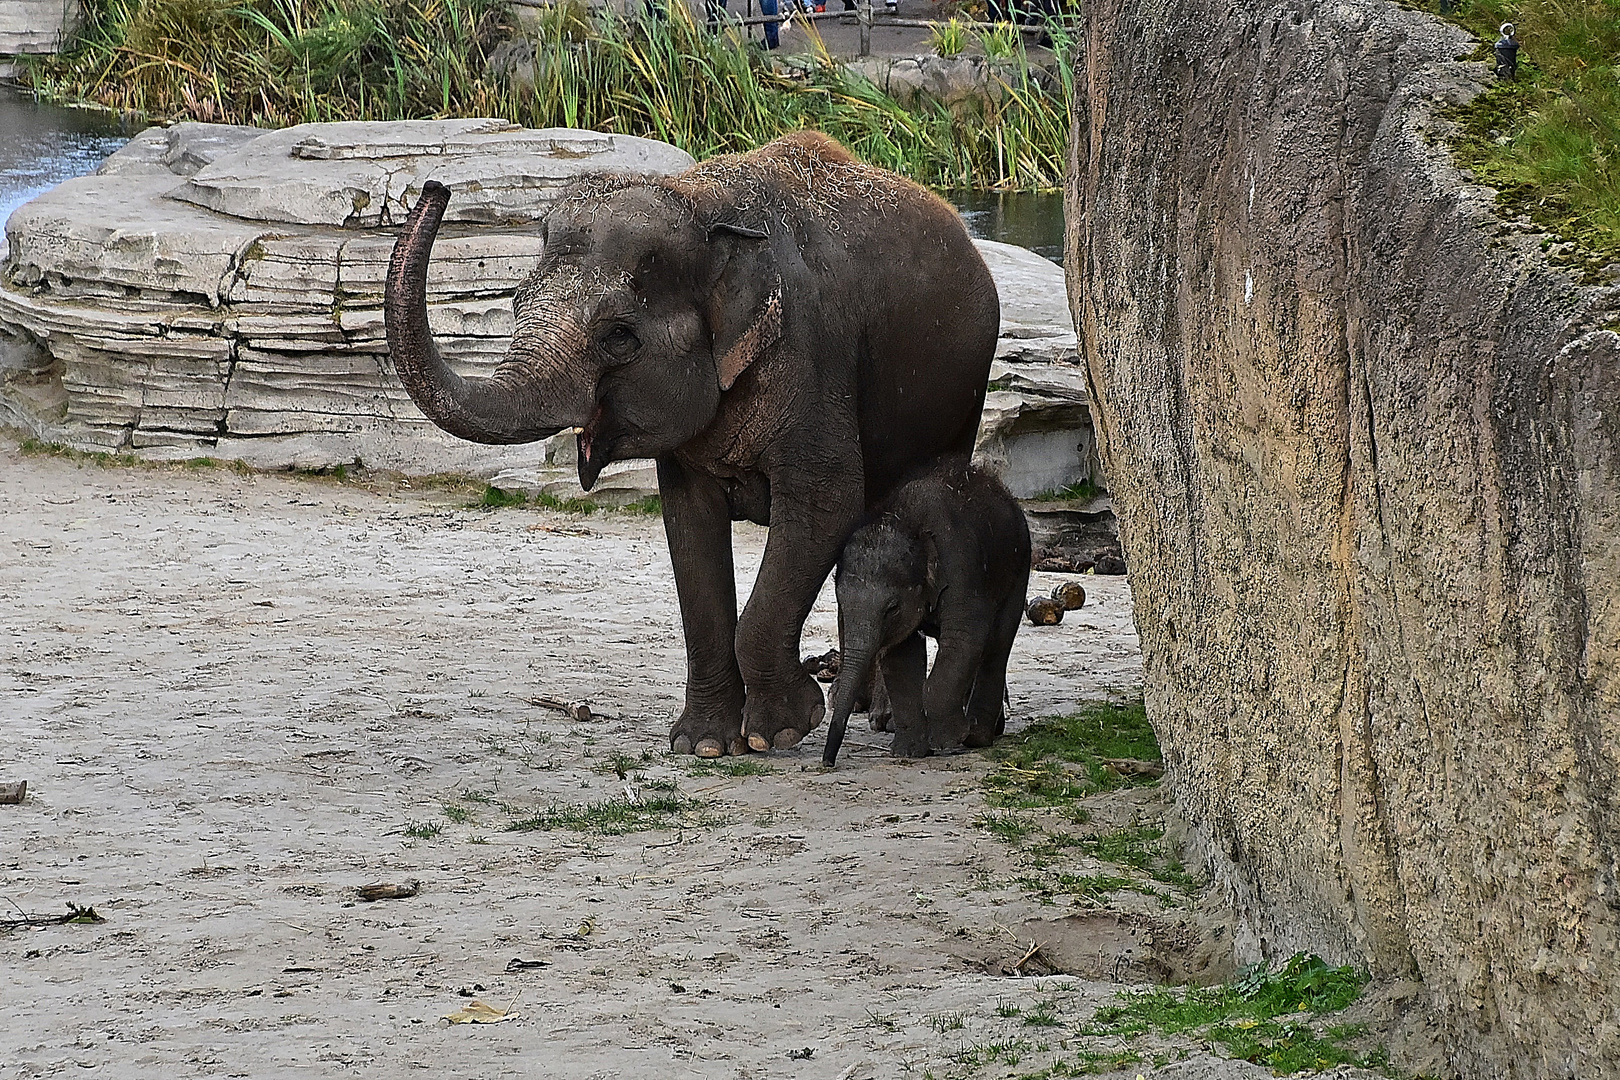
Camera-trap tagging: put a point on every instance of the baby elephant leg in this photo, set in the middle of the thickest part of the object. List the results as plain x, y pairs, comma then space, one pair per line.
880, 713
904, 668
985, 717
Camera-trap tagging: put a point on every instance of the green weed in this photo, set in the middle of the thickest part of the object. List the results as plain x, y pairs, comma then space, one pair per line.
458, 815
1085, 1063
1243, 1016
1009, 827
1054, 762
611, 817
943, 1022
727, 766
948, 38
423, 830
1079, 491
1141, 848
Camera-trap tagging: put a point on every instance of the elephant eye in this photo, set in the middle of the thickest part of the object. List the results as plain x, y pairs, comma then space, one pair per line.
620, 342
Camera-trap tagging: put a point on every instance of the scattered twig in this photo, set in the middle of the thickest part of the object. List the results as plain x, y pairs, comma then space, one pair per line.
384, 890
578, 711
1034, 947
74, 914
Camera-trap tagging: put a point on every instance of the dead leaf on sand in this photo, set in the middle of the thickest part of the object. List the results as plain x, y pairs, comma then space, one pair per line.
476, 1012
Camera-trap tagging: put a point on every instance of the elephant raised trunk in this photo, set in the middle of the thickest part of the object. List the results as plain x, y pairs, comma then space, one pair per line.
524, 400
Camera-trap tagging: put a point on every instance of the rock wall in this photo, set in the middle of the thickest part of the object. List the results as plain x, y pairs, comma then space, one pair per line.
1365, 452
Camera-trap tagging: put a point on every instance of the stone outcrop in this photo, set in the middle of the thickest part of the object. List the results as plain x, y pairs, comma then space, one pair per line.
217, 290
1365, 451
35, 26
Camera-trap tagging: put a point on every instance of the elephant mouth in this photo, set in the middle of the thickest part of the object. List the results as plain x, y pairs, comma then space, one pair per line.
595, 449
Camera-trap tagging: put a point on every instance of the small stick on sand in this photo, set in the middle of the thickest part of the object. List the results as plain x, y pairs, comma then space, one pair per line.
578, 711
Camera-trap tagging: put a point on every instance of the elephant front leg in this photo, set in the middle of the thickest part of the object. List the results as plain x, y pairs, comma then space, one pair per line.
904, 668
783, 702
697, 522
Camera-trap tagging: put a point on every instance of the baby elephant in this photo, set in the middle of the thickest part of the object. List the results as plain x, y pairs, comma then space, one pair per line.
947, 555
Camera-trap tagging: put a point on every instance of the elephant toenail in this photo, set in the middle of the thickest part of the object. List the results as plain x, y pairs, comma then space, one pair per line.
787, 737
757, 741
709, 748
681, 745
739, 746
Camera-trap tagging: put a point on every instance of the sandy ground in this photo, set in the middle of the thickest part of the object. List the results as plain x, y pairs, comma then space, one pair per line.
234, 696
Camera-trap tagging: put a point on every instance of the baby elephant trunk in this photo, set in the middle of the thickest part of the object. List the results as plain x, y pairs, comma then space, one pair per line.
854, 664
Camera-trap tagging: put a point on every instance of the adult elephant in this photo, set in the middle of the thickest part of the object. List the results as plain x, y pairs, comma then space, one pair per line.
788, 332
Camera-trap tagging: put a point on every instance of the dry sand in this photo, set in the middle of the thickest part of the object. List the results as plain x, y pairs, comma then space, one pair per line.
233, 696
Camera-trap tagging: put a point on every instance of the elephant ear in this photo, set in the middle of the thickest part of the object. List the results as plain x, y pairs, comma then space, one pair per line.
745, 305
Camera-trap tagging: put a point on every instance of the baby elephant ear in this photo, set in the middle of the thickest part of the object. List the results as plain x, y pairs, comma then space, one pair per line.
745, 305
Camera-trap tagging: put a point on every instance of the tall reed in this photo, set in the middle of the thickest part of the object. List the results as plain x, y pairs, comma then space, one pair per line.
278, 62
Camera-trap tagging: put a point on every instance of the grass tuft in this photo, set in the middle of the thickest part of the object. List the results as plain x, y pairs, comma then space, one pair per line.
1055, 762
1255, 1018
611, 817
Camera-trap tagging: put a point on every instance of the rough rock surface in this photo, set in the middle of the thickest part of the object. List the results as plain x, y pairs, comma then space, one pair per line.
1366, 457
35, 26
218, 290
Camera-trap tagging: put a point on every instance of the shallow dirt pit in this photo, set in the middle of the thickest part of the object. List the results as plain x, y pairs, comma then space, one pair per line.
236, 699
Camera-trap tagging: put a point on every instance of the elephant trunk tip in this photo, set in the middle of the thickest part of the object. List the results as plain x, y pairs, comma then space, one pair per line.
835, 739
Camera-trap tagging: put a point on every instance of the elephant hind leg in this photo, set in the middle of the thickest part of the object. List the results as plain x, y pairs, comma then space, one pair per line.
986, 718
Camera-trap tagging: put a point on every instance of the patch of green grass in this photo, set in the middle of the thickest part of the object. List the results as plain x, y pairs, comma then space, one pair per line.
1083, 887
1009, 827
1140, 848
1057, 761
652, 504
458, 815
278, 62
620, 764
1549, 142
1079, 491
423, 830
611, 817
943, 1022
999, 1052
728, 766
1085, 1063
1244, 1015
1007, 1009
1043, 1014
499, 498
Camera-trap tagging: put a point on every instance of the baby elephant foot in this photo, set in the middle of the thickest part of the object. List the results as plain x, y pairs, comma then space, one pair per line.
707, 735
776, 721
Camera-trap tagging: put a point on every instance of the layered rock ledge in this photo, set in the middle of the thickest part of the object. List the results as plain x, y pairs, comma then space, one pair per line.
217, 290
1365, 450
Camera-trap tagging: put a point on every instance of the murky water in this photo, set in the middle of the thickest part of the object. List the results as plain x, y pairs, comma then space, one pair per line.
1030, 220
41, 145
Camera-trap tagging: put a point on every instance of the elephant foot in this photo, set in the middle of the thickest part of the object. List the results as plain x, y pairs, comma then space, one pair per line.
980, 736
779, 721
879, 721
706, 736
911, 745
